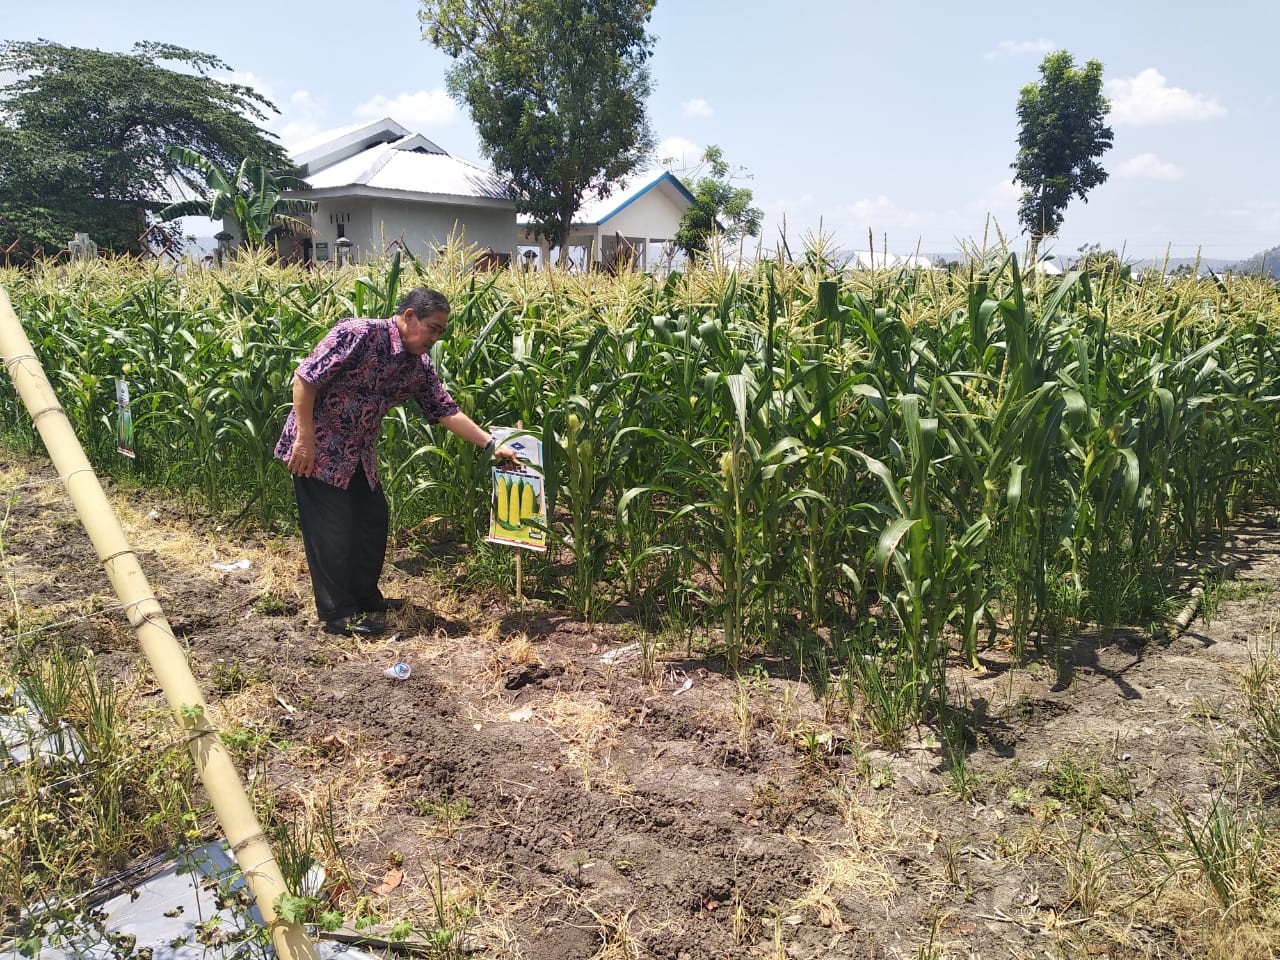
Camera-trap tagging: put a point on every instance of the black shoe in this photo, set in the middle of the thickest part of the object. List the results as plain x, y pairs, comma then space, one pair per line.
361, 626
386, 605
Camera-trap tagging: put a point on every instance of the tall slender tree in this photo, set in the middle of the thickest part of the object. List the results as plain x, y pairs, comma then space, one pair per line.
557, 91
1063, 133
84, 133
719, 207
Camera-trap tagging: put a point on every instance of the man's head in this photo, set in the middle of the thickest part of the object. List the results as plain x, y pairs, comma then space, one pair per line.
421, 318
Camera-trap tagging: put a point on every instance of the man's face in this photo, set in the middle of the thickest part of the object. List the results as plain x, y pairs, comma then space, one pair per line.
419, 334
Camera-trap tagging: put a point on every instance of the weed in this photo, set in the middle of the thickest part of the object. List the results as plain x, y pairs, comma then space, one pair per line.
303, 845
447, 812
1219, 590
233, 676
249, 745
452, 910
1083, 789
270, 605
955, 745
876, 776
885, 695
747, 687
1087, 867
818, 747
954, 857
1229, 847
1261, 730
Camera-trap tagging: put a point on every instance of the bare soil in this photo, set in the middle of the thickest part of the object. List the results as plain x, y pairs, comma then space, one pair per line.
660, 806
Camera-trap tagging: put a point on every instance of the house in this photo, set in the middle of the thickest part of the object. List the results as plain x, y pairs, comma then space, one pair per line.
637, 222
1046, 267
877, 260
378, 185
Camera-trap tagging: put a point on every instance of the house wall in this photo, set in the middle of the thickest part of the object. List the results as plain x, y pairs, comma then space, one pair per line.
656, 215
426, 226
356, 218
371, 224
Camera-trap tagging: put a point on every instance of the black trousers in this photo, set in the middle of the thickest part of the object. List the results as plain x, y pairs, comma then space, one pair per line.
345, 536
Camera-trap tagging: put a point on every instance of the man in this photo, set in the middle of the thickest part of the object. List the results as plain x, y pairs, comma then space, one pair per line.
361, 369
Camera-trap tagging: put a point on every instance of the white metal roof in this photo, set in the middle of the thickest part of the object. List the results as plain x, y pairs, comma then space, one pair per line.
595, 211
384, 156
879, 260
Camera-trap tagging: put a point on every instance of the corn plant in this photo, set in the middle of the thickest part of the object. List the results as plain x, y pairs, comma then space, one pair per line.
776, 449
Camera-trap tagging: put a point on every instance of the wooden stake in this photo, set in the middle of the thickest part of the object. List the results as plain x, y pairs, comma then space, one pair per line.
520, 558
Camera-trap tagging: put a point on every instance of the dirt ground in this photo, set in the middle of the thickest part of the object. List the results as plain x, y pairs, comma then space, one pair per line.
548, 787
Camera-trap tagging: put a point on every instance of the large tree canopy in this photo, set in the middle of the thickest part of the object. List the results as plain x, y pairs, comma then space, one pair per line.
556, 89
719, 208
1063, 132
84, 137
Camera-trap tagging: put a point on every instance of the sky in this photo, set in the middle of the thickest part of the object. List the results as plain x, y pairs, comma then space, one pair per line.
862, 122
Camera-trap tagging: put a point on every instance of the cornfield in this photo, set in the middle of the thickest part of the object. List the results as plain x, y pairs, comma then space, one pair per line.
870, 473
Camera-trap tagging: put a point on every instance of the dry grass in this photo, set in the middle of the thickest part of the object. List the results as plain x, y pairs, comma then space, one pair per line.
519, 648
588, 730
859, 864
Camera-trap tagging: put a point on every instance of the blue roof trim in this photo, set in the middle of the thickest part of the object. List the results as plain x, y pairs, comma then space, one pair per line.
667, 177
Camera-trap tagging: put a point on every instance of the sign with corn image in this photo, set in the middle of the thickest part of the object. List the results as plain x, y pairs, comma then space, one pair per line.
517, 508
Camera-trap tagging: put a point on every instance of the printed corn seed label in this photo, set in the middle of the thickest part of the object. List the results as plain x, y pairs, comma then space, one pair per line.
517, 508
124, 420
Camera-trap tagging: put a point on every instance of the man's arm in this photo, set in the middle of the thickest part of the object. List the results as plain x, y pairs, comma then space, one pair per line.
302, 458
460, 425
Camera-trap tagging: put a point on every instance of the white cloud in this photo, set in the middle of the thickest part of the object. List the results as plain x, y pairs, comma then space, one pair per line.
698, 107
879, 213
1000, 198
1017, 48
793, 213
677, 153
1148, 99
417, 111
1267, 214
302, 116
1147, 166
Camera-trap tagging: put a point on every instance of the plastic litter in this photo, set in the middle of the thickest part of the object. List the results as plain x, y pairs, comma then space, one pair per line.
622, 653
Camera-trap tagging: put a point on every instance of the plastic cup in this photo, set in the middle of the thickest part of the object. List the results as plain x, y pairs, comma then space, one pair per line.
399, 671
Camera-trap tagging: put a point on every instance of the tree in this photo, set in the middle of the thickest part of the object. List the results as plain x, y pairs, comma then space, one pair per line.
718, 208
1101, 263
556, 89
252, 197
83, 137
1063, 132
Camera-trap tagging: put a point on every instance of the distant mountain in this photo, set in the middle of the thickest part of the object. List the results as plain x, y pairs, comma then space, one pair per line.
1268, 261
1206, 264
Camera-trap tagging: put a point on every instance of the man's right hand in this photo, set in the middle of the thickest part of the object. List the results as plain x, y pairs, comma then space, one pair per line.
302, 458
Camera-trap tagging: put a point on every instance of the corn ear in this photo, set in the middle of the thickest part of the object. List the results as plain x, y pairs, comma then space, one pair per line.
526, 502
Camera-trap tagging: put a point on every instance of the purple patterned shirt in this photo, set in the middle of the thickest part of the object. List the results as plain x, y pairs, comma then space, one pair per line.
360, 371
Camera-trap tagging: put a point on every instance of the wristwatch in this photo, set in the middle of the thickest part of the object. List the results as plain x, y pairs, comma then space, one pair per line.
492, 445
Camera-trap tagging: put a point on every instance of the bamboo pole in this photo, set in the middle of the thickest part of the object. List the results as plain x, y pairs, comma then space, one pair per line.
213, 762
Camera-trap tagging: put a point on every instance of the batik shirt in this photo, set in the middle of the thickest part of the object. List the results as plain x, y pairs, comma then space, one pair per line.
360, 371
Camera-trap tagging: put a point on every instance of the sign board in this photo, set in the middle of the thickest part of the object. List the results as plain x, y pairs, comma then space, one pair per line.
124, 419
517, 506
322, 251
